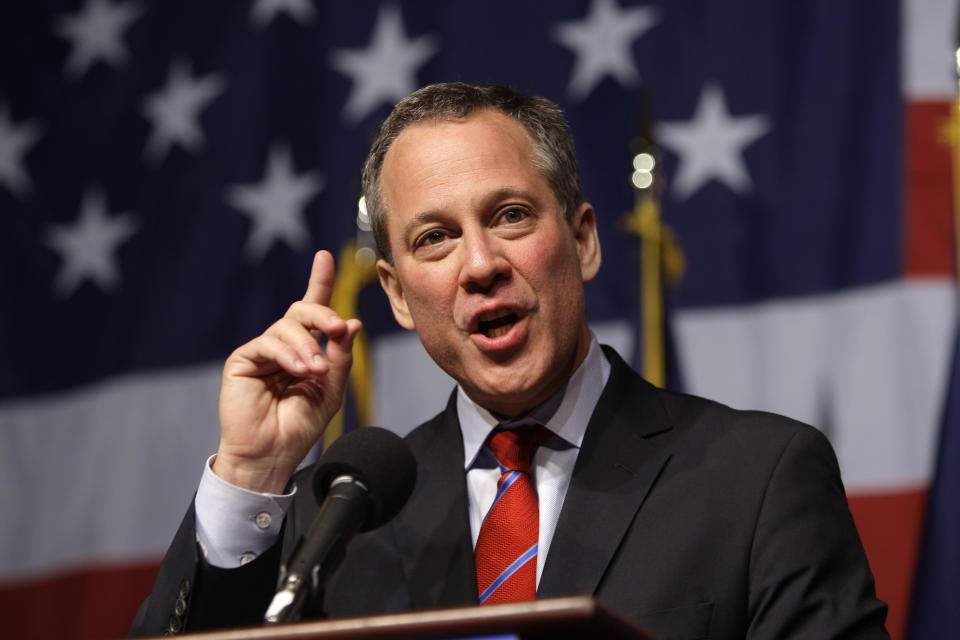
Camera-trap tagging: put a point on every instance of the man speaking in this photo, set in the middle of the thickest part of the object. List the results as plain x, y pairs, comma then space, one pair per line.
554, 469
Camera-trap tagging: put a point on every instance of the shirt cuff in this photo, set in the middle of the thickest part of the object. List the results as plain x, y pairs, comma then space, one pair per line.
235, 525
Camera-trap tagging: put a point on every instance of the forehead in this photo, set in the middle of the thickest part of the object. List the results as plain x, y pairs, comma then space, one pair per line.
442, 156
480, 131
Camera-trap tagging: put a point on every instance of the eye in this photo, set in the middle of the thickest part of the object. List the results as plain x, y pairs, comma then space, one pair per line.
513, 216
434, 236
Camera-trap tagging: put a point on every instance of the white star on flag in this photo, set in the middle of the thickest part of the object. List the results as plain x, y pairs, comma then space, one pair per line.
174, 110
88, 246
602, 42
276, 205
16, 140
96, 34
711, 145
385, 71
264, 11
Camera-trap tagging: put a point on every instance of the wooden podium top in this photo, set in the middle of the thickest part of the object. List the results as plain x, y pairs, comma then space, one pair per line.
555, 618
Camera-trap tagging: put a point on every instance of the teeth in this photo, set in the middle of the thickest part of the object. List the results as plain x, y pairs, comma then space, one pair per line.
494, 315
497, 323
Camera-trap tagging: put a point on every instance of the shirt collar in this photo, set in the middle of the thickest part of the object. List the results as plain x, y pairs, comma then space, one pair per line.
569, 421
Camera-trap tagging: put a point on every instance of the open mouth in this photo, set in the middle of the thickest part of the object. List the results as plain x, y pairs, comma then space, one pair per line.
497, 323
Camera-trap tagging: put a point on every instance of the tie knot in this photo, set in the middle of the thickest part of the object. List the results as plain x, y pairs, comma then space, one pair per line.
512, 448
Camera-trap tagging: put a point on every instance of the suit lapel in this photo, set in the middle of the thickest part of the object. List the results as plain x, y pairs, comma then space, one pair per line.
433, 531
618, 464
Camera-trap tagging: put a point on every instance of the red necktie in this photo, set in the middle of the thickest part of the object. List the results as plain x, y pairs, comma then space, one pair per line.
506, 553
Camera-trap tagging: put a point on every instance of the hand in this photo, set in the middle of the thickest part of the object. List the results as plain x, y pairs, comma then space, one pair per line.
280, 390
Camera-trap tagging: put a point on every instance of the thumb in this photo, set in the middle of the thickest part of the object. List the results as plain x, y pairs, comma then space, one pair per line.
340, 349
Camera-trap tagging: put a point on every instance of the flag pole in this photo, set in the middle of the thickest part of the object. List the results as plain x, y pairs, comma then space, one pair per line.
356, 269
661, 259
644, 222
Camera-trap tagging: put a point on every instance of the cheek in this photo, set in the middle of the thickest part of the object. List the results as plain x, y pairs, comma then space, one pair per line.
559, 269
559, 287
428, 300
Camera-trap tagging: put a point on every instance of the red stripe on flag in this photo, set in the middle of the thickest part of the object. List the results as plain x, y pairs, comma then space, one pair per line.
92, 603
929, 187
891, 526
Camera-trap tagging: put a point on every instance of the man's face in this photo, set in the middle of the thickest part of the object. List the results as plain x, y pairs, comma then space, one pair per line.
486, 268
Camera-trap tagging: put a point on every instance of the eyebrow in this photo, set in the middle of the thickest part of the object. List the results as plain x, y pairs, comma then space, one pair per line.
505, 193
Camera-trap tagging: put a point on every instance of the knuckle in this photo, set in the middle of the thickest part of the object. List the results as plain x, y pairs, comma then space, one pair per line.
275, 328
310, 345
294, 309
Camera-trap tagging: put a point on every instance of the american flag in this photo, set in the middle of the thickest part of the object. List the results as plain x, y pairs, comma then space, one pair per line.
168, 168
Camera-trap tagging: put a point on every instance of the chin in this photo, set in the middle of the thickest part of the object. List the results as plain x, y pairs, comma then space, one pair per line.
511, 399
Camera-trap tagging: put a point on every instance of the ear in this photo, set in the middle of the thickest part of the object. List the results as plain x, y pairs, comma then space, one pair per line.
584, 226
394, 290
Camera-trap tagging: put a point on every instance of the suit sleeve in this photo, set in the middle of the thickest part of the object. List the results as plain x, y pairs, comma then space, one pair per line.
191, 595
809, 576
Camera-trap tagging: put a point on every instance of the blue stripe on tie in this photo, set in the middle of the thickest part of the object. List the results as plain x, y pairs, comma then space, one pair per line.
528, 555
506, 484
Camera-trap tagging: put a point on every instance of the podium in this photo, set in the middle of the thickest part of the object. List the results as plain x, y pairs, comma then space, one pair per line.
554, 619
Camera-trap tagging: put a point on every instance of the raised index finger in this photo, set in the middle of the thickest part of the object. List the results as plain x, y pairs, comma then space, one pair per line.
322, 273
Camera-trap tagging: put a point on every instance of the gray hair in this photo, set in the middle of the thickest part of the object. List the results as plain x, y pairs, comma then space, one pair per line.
554, 154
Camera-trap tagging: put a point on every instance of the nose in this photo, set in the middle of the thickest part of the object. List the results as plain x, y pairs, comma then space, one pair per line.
484, 263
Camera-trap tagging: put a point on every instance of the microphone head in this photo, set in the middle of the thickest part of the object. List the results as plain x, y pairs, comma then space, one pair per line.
379, 459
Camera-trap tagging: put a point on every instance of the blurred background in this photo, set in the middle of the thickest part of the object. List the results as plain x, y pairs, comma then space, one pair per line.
775, 196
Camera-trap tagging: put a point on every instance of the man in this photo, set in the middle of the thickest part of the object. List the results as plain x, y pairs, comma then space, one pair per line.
696, 520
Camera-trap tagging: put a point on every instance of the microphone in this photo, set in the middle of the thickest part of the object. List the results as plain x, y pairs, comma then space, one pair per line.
361, 481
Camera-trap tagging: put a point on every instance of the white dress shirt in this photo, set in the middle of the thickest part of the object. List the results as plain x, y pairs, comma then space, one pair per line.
235, 525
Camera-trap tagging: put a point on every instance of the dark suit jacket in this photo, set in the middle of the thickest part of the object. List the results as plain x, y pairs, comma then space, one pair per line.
697, 520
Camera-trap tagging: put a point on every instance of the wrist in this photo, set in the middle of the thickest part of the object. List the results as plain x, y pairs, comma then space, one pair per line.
260, 476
